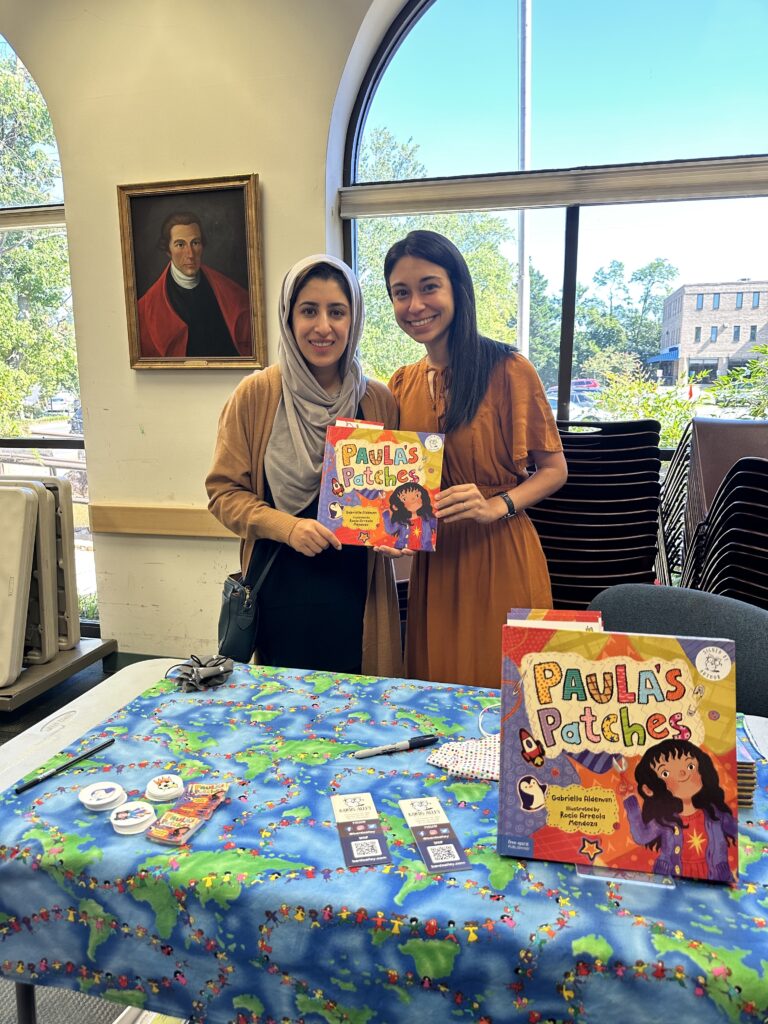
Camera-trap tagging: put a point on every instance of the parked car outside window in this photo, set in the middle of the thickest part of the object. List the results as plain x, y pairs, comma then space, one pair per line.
62, 402
581, 407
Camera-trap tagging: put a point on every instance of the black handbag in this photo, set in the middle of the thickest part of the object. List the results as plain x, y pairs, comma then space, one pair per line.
239, 615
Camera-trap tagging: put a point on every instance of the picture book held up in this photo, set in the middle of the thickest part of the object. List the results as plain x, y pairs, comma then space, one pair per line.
619, 751
378, 485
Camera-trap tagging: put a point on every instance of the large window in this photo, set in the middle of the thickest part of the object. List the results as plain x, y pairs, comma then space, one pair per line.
489, 245
609, 84
578, 136
39, 387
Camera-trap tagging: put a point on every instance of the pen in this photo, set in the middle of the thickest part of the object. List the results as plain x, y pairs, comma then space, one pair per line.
392, 748
63, 767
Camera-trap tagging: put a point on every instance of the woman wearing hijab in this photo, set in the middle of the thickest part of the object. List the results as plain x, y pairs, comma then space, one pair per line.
322, 606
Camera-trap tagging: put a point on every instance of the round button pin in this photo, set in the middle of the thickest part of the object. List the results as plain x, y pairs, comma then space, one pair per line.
165, 787
102, 796
132, 817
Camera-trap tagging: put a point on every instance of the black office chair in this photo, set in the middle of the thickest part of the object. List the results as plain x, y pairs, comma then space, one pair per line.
677, 611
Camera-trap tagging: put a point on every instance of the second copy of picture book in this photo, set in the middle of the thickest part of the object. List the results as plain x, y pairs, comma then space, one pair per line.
535, 618
618, 750
378, 485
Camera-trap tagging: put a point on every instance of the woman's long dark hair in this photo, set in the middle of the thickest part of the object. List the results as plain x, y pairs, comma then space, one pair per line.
664, 808
472, 356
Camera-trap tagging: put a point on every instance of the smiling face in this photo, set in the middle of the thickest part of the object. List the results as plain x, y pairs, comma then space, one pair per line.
422, 299
680, 774
411, 499
185, 248
321, 322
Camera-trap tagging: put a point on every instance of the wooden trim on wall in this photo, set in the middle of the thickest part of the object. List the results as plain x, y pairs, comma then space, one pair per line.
156, 520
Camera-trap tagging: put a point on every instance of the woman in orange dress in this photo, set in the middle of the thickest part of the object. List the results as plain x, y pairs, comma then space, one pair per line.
490, 403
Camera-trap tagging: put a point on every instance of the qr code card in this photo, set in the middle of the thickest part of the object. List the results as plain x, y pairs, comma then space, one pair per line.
360, 831
436, 841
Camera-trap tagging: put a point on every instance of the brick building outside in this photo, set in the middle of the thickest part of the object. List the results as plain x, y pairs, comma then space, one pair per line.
711, 327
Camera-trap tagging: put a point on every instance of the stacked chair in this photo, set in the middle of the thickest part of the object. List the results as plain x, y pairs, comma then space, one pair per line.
728, 554
39, 613
716, 444
713, 525
674, 493
18, 513
601, 528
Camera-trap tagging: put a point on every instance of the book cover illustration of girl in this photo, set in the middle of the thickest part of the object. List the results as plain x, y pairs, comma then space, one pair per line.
410, 519
684, 816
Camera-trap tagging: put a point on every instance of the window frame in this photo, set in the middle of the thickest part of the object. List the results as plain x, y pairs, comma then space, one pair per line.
568, 188
31, 218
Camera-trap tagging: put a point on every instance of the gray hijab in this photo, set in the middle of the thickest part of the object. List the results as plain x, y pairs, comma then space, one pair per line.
294, 455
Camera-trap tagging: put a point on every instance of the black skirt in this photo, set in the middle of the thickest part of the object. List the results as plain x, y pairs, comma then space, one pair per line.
311, 609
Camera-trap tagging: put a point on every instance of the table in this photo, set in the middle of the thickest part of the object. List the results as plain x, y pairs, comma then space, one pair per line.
258, 919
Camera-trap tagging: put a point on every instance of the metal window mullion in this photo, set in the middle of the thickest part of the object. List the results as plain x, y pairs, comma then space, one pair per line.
568, 312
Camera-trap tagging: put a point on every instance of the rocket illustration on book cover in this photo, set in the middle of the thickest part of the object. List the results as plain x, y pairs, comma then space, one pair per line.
619, 751
378, 486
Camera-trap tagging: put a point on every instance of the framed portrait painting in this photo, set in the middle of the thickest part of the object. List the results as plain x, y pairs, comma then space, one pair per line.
193, 275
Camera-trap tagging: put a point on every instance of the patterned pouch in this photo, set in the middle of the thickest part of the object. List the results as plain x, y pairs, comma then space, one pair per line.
470, 759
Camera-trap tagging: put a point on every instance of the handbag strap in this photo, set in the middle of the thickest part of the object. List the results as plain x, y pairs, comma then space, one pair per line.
255, 587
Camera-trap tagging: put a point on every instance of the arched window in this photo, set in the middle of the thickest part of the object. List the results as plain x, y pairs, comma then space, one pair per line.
41, 423
593, 162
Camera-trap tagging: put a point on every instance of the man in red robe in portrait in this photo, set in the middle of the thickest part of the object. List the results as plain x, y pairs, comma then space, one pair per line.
192, 310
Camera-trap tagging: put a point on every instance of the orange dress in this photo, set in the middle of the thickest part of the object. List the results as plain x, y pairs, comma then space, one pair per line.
459, 594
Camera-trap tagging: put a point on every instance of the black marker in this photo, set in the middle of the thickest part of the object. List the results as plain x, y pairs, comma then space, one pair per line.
416, 741
63, 767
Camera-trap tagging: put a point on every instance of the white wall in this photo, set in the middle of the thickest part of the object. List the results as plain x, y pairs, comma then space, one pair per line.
146, 92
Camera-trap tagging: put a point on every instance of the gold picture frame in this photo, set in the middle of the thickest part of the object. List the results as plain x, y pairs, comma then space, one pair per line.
192, 269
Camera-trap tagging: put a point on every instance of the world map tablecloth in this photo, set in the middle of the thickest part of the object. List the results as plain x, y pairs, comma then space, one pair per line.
258, 919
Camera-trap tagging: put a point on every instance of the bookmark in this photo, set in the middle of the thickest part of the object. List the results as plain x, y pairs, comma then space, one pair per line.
202, 799
360, 831
174, 829
436, 841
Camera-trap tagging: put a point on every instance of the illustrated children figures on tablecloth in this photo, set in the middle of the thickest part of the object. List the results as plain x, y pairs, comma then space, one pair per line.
410, 514
684, 816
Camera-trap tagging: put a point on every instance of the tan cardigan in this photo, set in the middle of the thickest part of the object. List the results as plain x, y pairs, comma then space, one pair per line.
235, 486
